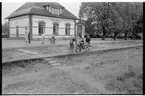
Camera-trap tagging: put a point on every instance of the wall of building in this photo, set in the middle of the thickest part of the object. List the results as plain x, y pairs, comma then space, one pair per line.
49, 26
21, 22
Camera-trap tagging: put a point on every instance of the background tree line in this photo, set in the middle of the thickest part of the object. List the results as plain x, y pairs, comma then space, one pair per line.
124, 19
5, 30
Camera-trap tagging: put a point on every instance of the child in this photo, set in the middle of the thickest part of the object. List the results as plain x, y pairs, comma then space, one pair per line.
29, 37
71, 43
81, 41
88, 39
43, 38
53, 39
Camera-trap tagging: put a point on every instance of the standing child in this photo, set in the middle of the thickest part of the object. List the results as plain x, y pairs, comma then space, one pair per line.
81, 41
43, 38
88, 39
71, 43
29, 37
53, 39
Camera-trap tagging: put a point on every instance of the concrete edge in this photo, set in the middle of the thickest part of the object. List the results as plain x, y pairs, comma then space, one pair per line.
73, 54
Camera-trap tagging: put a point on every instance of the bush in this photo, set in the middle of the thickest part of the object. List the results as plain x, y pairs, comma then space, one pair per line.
5, 36
95, 36
120, 37
138, 37
130, 37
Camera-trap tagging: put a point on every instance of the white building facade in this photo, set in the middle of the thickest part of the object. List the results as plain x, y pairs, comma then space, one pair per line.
39, 18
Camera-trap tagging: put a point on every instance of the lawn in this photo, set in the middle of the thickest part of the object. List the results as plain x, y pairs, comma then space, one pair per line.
113, 72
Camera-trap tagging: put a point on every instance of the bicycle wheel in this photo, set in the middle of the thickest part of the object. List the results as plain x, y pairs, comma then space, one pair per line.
87, 48
53, 41
50, 40
77, 49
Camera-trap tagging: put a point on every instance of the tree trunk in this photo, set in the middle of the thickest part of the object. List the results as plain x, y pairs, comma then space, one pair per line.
125, 37
115, 34
104, 33
135, 33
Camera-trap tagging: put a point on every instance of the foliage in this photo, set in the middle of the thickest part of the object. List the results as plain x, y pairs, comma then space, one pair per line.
112, 18
5, 28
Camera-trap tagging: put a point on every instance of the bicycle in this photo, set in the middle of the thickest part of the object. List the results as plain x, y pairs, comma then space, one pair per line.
82, 46
52, 40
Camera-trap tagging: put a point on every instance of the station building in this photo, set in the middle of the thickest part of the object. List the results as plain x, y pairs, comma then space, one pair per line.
49, 18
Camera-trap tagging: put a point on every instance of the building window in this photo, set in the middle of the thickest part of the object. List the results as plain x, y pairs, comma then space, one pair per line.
55, 11
52, 10
79, 28
60, 10
67, 29
41, 27
49, 8
55, 28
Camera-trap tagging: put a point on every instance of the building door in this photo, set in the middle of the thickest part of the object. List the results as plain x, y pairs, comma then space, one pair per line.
41, 29
79, 30
17, 31
55, 28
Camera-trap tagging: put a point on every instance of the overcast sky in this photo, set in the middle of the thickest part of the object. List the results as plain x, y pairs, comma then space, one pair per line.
9, 7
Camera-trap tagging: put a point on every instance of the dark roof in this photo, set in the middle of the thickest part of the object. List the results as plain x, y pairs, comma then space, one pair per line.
38, 9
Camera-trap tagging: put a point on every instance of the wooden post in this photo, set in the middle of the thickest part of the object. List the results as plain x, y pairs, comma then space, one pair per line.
17, 31
75, 28
30, 26
9, 27
83, 30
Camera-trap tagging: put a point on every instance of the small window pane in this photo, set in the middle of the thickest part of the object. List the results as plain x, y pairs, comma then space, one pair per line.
61, 11
55, 11
52, 11
49, 8
58, 12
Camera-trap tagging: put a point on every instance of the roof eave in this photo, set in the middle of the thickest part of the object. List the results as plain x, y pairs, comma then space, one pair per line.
56, 17
10, 17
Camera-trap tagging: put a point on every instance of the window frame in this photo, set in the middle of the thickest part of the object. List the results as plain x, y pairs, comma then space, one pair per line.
60, 10
67, 29
50, 9
56, 28
41, 27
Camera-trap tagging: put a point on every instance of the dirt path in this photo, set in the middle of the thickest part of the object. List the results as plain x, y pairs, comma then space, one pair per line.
92, 74
33, 52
